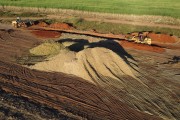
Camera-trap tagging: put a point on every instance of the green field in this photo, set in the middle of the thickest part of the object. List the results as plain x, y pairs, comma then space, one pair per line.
138, 7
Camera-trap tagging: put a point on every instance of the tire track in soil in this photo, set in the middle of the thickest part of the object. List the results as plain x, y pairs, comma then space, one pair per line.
25, 86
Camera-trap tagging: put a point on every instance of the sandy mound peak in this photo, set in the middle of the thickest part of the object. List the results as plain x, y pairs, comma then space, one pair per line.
104, 62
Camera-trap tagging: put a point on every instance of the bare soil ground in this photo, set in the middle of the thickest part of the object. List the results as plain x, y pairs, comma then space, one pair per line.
113, 92
14, 43
46, 34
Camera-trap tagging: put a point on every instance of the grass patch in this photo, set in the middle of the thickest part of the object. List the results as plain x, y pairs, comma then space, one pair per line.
23, 14
7, 14
29, 14
137, 7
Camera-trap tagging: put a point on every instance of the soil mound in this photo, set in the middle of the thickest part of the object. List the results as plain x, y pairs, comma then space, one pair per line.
92, 64
162, 38
142, 47
64, 26
42, 24
46, 34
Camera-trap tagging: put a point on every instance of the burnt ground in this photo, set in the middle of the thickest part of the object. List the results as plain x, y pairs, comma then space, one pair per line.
32, 94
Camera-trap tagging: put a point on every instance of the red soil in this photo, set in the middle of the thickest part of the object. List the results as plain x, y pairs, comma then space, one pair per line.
142, 47
60, 26
42, 24
46, 34
162, 38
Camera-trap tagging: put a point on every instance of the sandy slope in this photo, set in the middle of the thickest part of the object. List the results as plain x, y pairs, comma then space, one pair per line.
91, 64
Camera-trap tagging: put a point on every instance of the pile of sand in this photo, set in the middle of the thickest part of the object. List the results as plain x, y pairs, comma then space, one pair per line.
92, 64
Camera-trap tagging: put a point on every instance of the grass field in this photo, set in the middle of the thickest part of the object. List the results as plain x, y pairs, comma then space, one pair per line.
138, 7
116, 28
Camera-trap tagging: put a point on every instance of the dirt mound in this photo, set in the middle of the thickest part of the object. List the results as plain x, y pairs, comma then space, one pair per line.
142, 47
46, 34
92, 64
162, 38
42, 24
63, 26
